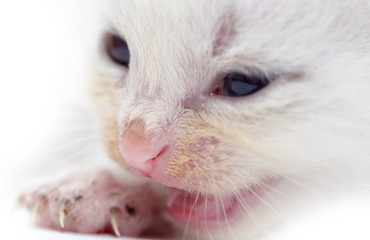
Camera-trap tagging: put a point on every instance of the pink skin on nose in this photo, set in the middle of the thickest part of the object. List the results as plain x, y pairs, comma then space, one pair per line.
140, 153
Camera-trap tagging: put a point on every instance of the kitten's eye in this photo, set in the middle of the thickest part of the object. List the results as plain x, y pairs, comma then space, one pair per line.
237, 84
118, 50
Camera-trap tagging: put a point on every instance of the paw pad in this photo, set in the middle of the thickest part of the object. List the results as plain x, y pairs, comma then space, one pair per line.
95, 203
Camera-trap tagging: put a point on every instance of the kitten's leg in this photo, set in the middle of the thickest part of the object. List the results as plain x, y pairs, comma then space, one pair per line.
96, 202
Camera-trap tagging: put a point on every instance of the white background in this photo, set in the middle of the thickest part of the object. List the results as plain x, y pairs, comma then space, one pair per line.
42, 50
35, 62
43, 47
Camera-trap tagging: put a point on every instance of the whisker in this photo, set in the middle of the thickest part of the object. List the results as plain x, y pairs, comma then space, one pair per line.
184, 203
315, 193
74, 128
276, 190
70, 157
225, 216
190, 213
205, 217
183, 212
269, 206
196, 219
85, 138
217, 210
252, 217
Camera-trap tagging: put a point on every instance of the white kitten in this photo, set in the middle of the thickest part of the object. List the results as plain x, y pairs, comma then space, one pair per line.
247, 111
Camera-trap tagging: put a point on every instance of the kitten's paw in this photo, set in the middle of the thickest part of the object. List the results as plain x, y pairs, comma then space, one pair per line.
95, 203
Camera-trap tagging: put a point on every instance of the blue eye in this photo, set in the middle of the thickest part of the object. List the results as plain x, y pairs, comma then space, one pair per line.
118, 50
237, 84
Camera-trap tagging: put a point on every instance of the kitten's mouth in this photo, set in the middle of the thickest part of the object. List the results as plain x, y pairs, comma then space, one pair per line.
196, 209
211, 210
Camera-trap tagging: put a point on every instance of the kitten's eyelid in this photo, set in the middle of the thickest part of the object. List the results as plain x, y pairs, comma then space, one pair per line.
114, 31
259, 75
247, 66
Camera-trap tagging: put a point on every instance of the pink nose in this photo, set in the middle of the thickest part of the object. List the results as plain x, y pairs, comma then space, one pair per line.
140, 152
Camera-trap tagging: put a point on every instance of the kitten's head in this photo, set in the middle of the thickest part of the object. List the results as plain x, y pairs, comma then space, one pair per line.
228, 99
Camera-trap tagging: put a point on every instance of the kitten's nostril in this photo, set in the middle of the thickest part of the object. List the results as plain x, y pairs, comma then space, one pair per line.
161, 152
140, 152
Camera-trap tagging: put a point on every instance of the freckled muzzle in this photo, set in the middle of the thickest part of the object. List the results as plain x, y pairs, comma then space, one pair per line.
192, 157
199, 169
190, 162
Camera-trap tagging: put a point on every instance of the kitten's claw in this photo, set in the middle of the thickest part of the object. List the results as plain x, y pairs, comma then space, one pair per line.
115, 212
35, 211
62, 216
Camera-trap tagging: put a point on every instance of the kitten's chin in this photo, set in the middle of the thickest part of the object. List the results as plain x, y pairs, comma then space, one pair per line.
201, 210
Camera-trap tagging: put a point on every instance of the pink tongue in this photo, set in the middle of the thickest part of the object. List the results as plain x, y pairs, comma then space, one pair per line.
199, 209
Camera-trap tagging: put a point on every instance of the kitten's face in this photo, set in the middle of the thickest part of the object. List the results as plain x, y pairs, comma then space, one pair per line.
169, 114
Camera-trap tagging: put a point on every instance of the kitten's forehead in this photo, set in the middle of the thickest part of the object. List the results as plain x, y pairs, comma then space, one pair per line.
195, 22
179, 45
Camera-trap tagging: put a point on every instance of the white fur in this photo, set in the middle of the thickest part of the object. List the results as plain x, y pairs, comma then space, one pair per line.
310, 126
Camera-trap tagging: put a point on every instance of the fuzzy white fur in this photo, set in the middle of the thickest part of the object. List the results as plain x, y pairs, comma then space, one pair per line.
309, 127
